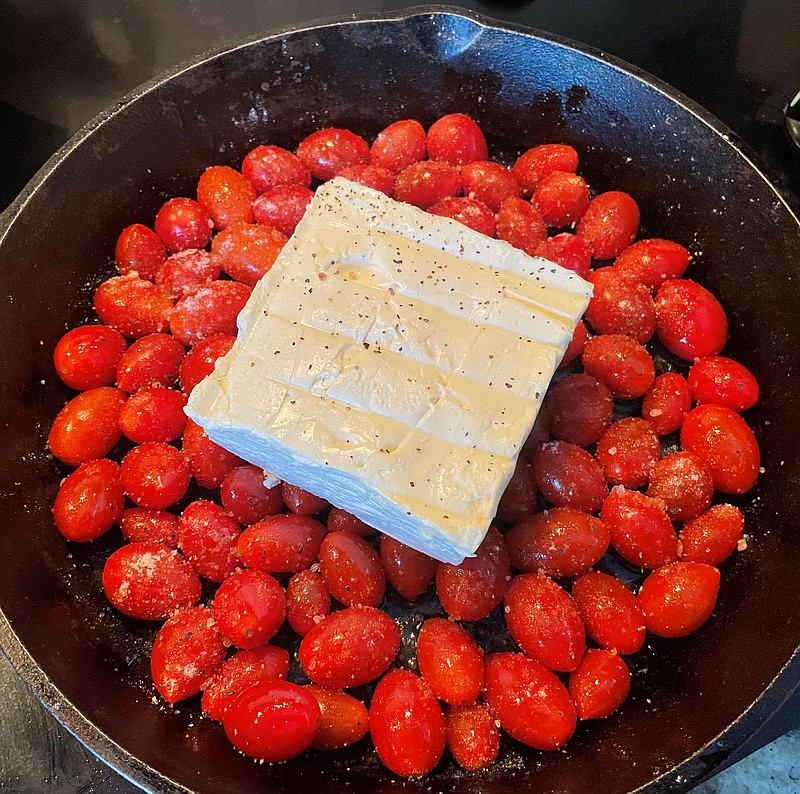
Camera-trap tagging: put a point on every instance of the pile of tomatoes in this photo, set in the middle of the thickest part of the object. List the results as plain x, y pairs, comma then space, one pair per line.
624, 464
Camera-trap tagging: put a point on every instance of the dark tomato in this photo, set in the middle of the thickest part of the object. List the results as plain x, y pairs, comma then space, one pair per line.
409, 571
569, 251
208, 310
152, 361
207, 536
473, 738
471, 212
406, 724
619, 306
208, 461
683, 483
690, 321
532, 705
140, 250
456, 139
351, 569
600, 685
133, 306
200, 360
247, 251
300, 501
350, 648
677, 599
611, 613
153, 415
155, 475
713, 536
283, 543
183, 223
558, 542
723, 381
621, 363
141, 524
519, 498
87, 427
245, 496
726, 444
581, 409
652, 262
666, 403
641, 531
372, 176
399, 145
344, 720
86, 357
283, 207
149, 581
544, 621
569, 476
628, 452
249, 607
471, 590
187, 269
90, 501
268, 166
227, 195
540, 433
536, 163
450, 661
307, 601
609, 224
521, 225
575, 346
424, 183
489, 183
341, 521
561, 197
326, 152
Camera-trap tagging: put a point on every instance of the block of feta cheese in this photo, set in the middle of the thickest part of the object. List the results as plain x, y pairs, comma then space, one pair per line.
393, 362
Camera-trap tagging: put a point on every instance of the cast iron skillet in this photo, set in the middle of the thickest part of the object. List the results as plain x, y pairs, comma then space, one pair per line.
698, 698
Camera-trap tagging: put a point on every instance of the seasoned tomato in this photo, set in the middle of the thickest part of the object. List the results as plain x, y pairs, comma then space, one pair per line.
609, 224
600, 684
409, 571
326, 152
86, 357
456, 139
569, 476
344, 719
473, 737
628, 452
249, 607
352, 569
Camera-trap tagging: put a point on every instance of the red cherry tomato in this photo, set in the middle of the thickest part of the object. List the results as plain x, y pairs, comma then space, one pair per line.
153, 415
575, 346
532, 705
183, 223
155, 475
652, 262
200, 360
283, 207
326, 152
139, 250
149, 581
133, 306
90, 501
519, 498
609, 224
628, 452
677, 599
489, 183
86, 357
249, 607
341, 521
153, 360
473, 738
621, 363
272, 721
536, 163
666, 403
300, 501
569, 476
349, 648
351, 569
307, 601
283, 543
521, 225
247, 251
641, 531
471, 212
245, 496
141, 524
187, 650
227, 195
690, 321
207, 537
424, 183
619, 306
87, 427
683, 483
208, 461
581, 409
409, 571
726, 444
372, 176
600, 685
723, 381
450, 661
611, 613
471, 590
187, 269
456, 139
712, 536
544, 621
407, 724
344, 719
208, 310
558, 542
561, 197
569, 251
268, 166
399, 145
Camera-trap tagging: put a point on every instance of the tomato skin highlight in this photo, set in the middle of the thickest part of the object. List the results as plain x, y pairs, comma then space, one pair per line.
183, 223
621, 363
568, 476
399, 145
227, 195
536, 163
628, 452
723, 381
619, 306
283, 543
307, 601
328, 151
409, 571
581, 409
712, 536
456, 139
425, 183
600, 684
666, 403
473, 738
652, 262
139, 249
207, 537
344, 719
268, 166
450, 661
609, 224
683, 483
245, 496
352, 570
155, 475
87, 356
150, 362
249, 607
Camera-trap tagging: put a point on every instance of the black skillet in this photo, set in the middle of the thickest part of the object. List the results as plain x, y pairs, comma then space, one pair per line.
695, 700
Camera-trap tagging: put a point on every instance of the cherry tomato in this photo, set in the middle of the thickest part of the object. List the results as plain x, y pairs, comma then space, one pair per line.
489, 182
471, 590
133, 306
341, 521
628, 452
238, 673
652, 262
723, 381
575, 346
344, 719
726, 444
561, 197
141, 524
372, 176
245, 496
407, 724
282, 207
544, 621
558, 542
450, 661
611, 613
569, 476
208, 310
87, 427
473, 738
677, 599
140, 250
471, 212
149, 581
581, 409
155, 475
349, 648
247, 251
666, 403
641, 531
183, 223
519, 498
208, 461
521, 225
532, 705
90, 501
351, 569
569, 251
609, 224
600, 685
456, 139
187, 269
152, 361
621, 363
683, 483
409, 571
307, 601
690, 321
712, 536
86, 357
207, 537
619, 306
424, 183
399, 145
200, 360
283, 543
153, 415
249, 607
326, 152
272, 721
227, 195
300, 501
268, 166
536, 163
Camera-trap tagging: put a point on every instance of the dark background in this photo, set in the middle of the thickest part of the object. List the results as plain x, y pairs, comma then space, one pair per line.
62, 61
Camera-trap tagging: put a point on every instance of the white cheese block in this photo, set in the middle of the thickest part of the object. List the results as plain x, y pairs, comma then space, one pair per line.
393, 362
